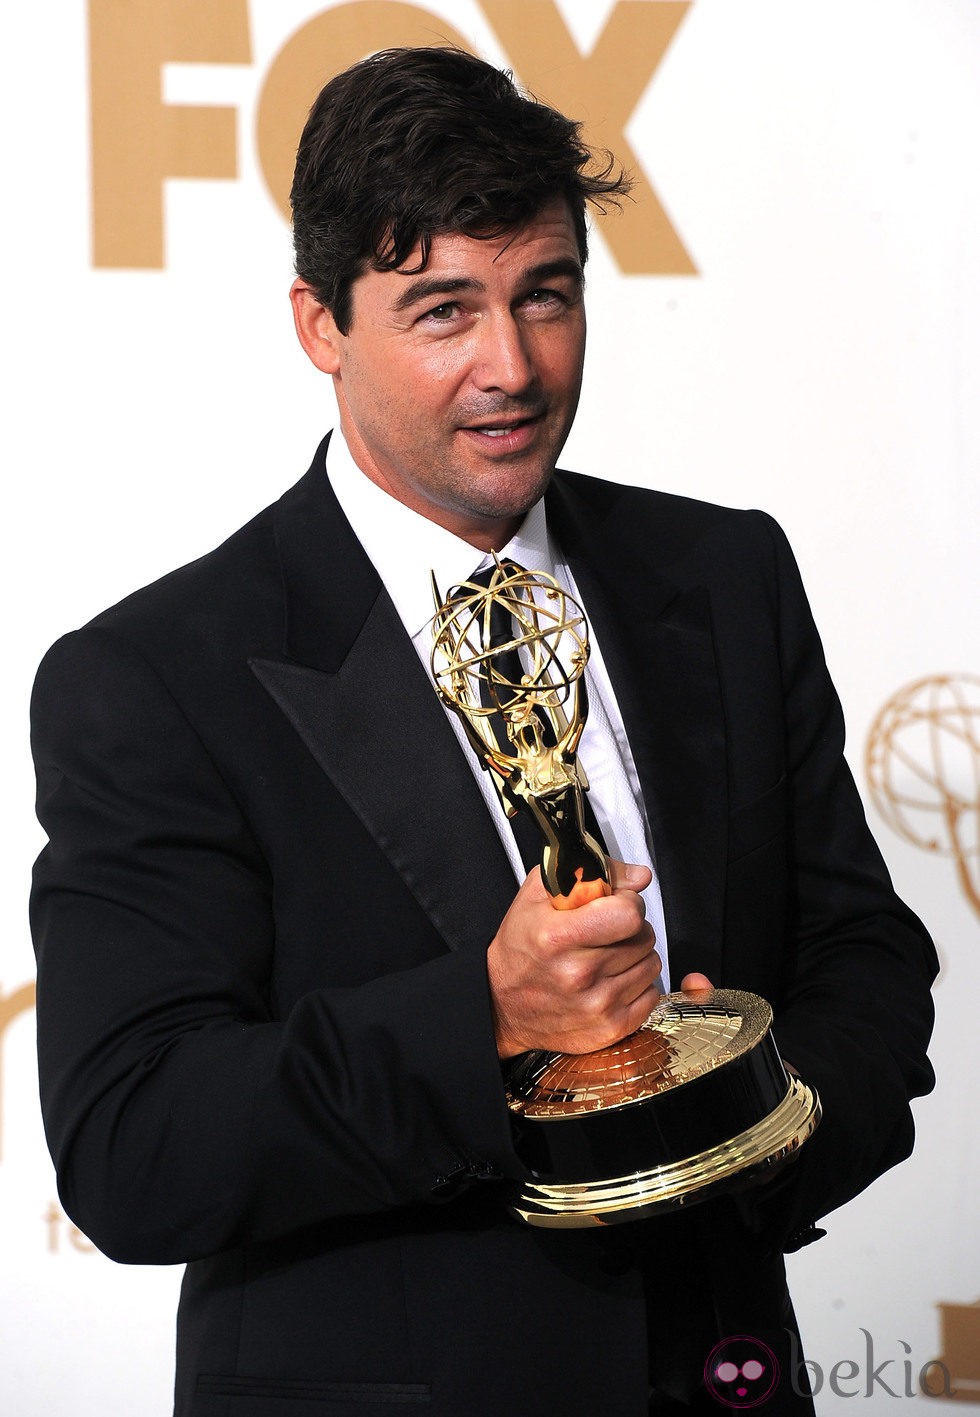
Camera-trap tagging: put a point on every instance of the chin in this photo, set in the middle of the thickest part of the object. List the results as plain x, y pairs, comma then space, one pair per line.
516, 500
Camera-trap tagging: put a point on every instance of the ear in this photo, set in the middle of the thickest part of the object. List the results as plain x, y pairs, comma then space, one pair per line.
315, 328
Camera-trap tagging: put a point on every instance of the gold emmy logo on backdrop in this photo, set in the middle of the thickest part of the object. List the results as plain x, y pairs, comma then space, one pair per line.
697, 1100
922, 762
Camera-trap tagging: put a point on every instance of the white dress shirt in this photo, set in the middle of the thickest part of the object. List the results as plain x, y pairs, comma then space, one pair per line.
404, 548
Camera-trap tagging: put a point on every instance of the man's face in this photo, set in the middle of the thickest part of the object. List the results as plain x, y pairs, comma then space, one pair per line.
457, 386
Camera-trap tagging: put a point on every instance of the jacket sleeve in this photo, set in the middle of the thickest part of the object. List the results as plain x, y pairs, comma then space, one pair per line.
182, 1116
856, 1016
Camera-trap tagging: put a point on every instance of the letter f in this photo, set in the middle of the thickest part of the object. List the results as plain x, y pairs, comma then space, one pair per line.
137, 140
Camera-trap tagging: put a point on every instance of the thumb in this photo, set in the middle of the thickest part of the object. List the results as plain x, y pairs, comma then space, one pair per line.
629, 877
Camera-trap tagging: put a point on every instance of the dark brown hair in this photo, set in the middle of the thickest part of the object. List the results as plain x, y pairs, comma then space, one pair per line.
413, 143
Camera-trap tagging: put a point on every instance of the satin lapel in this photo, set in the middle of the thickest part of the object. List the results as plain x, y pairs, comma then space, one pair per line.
363, 704
657, 643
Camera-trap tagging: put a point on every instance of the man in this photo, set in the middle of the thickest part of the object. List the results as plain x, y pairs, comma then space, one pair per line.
284, 936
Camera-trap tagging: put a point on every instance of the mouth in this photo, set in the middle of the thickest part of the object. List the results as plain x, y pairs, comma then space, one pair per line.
505, 435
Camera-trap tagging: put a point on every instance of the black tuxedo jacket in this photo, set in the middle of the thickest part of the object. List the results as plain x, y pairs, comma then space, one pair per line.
261, 923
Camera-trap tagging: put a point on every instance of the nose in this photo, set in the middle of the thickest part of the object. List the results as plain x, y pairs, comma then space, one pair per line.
503, 360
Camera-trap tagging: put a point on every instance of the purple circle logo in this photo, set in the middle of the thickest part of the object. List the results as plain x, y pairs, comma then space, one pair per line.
741, 1372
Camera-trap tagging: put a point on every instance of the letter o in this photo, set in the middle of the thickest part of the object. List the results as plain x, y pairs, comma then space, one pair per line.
319, 49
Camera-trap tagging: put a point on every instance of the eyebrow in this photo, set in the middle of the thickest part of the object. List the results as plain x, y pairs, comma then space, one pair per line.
550, 270
428, 287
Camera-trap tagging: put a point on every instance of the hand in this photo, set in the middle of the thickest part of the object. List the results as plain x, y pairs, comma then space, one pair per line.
573, 980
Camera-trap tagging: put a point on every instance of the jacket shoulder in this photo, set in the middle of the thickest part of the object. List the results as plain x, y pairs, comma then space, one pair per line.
234, 571
666, 528
230, 584
188, 631
608, 497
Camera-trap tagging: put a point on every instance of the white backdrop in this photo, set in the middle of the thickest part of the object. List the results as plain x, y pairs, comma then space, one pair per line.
819, 163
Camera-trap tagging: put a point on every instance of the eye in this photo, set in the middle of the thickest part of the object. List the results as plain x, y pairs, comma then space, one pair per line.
448, 310
544, 296
546, 302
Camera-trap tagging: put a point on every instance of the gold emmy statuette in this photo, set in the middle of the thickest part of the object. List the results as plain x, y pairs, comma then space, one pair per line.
697, 1100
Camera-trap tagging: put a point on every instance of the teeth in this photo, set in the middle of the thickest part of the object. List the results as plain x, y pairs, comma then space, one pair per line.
495, 432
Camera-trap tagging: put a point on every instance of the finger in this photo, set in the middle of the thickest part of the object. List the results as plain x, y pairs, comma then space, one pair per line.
619, 987
629, 876
691, 983
643, 1006
627, 955
532, 888
608, 920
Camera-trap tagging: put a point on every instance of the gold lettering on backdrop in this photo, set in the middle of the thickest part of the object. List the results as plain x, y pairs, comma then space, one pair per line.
324, 46
19, 1002
137, 140
960, 1363
54, 1219
602, 89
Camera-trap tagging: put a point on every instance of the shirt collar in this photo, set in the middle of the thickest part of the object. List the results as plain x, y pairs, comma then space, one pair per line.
405, 546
